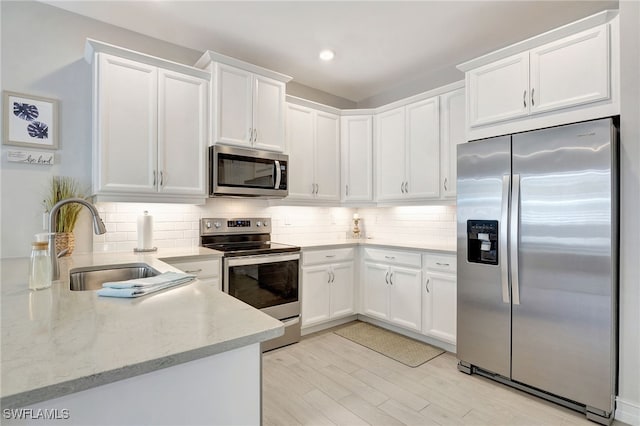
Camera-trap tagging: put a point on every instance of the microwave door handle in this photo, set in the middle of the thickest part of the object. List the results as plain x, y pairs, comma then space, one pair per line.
278, 174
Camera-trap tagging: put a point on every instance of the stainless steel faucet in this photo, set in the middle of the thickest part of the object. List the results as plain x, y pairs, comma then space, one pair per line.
98, 227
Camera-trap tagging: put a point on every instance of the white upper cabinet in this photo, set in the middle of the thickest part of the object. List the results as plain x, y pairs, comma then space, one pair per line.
149, 127
499, 91
313, 143
182, 133
452, 133
408, 146
125, 126
571, 71
566, 75
356, 139
248, 103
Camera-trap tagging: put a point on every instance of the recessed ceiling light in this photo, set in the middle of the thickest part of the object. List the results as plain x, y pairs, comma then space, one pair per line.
327, 55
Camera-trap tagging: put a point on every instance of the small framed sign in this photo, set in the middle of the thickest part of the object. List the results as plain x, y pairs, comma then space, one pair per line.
40, 158
30, 121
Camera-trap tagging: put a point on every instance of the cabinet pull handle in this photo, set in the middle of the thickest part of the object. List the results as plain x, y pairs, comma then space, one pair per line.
406, 187
195, 271
427, 284
333, 276
533, 102
328, 277
330, 255
402, 187
524, 98
347, 191
386, 278
442, 264
154, 178
445, 184
161, 178
255, 138
251, 134
317, 188
391, 278
390, 257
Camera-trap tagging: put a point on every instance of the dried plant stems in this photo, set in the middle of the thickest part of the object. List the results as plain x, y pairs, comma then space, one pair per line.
63, 187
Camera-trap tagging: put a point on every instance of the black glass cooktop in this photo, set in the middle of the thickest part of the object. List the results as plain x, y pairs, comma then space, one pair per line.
251, 245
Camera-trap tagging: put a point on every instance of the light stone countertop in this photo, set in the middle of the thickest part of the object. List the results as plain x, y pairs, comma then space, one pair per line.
435, 247
57, 341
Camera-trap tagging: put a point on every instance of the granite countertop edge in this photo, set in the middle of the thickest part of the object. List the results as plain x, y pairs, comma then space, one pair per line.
427, 247
58, 390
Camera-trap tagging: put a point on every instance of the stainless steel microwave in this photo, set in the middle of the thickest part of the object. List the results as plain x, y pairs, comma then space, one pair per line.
247, 172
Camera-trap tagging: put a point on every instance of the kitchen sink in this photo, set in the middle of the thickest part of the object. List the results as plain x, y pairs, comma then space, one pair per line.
92, 278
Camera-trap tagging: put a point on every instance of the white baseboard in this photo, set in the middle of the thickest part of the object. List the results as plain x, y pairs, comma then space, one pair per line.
627, 412
315, 328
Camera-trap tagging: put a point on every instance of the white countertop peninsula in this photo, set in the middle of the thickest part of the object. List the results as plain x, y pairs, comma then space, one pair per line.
58, 342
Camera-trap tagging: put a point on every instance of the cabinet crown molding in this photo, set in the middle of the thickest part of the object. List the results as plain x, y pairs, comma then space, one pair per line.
540, 39
95, 46
211, 56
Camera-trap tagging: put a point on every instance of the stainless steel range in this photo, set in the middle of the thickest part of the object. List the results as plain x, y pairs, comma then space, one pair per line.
257, 271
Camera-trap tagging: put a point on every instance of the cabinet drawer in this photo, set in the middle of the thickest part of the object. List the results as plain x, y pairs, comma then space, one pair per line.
394, 257
327, 256
201, 268
441, 263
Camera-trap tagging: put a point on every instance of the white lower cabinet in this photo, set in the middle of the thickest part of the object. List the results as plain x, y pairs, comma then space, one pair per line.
392, 292
439, 298
207, 271
327, 288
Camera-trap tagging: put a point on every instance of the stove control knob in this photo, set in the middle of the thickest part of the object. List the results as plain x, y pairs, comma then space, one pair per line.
266, 223
258, 224
207, 225
217, 225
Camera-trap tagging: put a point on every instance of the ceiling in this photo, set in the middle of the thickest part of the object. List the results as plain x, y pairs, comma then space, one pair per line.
378, 44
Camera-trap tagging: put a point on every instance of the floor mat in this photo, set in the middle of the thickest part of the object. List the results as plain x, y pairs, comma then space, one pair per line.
395, 346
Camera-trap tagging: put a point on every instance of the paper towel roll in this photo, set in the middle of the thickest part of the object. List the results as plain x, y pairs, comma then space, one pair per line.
145, 231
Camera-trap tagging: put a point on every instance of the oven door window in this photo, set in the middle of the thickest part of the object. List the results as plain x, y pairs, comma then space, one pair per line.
245, 172
264, 285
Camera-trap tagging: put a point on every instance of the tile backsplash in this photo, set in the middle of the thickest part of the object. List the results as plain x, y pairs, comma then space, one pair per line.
177, 225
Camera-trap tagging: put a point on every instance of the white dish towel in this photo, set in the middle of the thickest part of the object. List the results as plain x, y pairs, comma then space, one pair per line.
141, 286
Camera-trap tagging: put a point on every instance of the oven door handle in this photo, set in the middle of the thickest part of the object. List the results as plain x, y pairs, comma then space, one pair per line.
278, 174
260, 259
290, 321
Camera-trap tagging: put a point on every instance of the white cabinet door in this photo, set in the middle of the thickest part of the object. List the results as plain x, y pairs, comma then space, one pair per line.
439, 307
327, 156
182, 140
299, 135
268, 113
376, 290
571, 71
125, 158
452, 133
405, 307
390, 141
498, 91
356, 139
315, 291
233, 106
342, 289
423, 149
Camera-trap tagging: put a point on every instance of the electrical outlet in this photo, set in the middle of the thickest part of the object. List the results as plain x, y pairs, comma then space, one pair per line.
287, 221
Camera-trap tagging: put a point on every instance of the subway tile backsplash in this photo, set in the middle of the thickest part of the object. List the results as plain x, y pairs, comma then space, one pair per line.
177, 225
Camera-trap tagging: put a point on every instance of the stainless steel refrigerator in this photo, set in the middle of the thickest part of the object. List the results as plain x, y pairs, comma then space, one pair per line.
537, 238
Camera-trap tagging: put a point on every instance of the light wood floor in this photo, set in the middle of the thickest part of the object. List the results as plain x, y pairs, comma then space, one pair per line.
329, 380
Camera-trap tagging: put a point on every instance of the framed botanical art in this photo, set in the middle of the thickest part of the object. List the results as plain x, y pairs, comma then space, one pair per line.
30, 121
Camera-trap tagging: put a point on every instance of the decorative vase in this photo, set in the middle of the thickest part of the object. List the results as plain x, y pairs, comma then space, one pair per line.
65, 240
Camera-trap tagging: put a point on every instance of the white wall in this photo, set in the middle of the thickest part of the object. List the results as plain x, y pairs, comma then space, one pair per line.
629, 378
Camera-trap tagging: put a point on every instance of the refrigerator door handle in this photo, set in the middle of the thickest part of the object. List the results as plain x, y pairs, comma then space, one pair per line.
503, 238
514, 237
